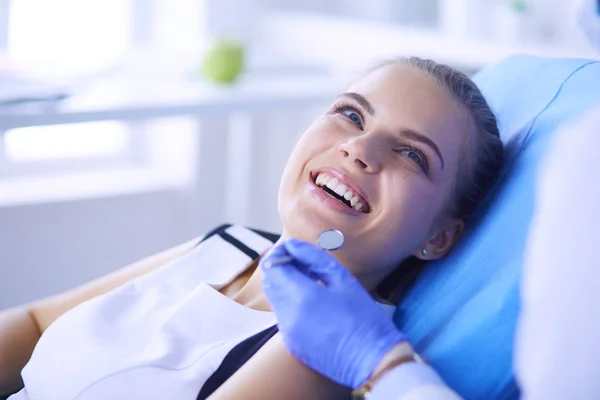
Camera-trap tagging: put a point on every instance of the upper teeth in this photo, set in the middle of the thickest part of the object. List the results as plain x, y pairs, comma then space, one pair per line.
323, 179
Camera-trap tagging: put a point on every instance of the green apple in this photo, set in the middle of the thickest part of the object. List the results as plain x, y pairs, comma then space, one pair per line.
223, 61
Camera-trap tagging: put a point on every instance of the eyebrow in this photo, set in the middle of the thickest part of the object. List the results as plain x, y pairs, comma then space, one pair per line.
360, 99
419, 137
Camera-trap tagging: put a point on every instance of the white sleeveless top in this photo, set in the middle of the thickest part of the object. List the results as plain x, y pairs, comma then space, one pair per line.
158, 337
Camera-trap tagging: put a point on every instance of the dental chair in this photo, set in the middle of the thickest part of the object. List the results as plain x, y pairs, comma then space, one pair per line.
462, 312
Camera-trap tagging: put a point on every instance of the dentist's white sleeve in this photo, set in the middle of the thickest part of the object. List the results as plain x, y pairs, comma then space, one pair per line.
558, 340
412, 381
589, 20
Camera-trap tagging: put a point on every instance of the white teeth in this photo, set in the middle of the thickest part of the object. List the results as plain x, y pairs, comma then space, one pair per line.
340, 189
332, 184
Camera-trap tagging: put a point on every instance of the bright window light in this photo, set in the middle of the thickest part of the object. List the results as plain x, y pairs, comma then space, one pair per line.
60, 142
65, 38
68, 36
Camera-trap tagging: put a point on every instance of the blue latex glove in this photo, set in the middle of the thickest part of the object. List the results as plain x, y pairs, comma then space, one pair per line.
335, 327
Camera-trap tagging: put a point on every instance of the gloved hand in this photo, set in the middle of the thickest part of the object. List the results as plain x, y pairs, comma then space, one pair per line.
333, 326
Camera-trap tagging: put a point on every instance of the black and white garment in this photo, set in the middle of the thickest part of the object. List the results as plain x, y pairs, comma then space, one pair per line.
160, 336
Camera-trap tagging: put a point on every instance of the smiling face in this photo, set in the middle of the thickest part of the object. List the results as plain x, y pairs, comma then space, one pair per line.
381, 166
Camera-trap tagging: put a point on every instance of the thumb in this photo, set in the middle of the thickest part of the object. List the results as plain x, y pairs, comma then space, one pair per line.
287, 284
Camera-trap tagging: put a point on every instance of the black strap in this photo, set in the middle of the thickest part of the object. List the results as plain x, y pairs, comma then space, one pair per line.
237, 357
221, 230
242, 352
240, 245
273, 237
215, 231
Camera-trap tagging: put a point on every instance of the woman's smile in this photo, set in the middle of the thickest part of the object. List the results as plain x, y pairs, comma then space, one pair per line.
331, 184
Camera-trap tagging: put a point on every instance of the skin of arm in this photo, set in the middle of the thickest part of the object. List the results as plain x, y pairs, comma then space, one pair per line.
273, 373
21, 327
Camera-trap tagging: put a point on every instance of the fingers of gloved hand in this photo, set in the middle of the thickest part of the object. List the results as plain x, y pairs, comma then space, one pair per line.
319, 262
286, 283
273, 256
279, 255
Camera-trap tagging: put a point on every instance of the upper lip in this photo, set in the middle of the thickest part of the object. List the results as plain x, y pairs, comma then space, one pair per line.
346, 180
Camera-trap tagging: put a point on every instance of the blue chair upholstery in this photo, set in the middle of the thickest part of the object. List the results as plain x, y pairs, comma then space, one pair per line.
462, 312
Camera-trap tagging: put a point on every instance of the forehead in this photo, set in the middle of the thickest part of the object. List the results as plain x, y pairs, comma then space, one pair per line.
404, 97
403, 92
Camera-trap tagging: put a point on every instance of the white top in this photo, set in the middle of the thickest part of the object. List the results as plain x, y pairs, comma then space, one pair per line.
158, 337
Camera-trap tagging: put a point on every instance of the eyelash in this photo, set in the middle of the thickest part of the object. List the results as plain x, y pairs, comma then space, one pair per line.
341, 107
416, 149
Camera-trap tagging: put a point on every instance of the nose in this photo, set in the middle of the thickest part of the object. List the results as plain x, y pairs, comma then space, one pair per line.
363, 152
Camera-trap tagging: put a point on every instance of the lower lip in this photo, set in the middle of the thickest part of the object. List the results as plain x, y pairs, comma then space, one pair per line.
330, 202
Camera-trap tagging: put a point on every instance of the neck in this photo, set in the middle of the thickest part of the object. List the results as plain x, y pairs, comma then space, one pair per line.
251, 294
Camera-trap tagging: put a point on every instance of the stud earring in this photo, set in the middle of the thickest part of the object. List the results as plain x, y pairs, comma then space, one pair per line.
424, 252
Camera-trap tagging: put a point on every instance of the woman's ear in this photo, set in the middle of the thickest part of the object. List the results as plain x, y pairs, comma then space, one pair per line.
442, 242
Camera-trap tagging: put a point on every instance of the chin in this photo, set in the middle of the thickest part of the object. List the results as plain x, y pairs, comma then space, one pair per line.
304, 215
301, 227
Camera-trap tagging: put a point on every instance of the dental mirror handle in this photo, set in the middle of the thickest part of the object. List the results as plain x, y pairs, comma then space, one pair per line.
330, 239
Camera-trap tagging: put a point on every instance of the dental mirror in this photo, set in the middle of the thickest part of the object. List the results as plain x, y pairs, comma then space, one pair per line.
331, 239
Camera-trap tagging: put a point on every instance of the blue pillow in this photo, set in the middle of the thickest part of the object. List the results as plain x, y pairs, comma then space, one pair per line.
462, 312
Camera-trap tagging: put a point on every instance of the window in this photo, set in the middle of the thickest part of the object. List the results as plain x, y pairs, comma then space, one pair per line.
59, 142
69, 38
76, 39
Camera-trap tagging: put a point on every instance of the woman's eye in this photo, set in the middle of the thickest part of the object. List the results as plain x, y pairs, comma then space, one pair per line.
353, 116
417, 157
350, 113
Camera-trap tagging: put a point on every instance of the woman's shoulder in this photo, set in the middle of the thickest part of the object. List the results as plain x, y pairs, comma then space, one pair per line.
216, 259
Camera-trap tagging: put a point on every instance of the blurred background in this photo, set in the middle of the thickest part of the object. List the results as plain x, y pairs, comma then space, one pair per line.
117, 141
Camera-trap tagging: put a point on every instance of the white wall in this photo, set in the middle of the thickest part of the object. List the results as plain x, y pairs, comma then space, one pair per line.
48, 248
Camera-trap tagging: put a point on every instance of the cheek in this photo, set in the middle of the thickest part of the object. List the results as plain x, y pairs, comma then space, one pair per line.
316, 140
410, 210
322, 134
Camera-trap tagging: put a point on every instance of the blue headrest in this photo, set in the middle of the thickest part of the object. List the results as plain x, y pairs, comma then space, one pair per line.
462, 312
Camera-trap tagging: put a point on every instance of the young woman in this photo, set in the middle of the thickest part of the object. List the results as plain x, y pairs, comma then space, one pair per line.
398, 163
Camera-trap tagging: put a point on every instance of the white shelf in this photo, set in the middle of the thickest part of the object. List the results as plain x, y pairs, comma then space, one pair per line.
128, 98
